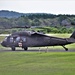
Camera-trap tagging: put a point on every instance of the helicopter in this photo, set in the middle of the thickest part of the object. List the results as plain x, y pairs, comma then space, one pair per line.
25, 39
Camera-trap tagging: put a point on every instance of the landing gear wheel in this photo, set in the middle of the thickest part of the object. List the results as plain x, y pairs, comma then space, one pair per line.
26, 48
13, 48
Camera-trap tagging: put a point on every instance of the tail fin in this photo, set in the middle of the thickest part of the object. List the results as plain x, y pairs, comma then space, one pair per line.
73, 35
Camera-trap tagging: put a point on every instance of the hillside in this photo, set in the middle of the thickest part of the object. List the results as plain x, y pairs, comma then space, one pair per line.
10, 14
9, 19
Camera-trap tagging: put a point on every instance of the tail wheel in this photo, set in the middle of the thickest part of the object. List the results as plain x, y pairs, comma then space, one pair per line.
13, 48
26, 48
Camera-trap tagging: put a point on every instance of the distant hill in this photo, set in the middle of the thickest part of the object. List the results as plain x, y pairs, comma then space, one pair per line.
10, 14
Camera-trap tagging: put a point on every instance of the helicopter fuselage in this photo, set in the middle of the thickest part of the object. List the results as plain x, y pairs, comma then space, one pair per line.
27, 39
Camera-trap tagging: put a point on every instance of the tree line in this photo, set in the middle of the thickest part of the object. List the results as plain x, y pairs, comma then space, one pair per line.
47, 22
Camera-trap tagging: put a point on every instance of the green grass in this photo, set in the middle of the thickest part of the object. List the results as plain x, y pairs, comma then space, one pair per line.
32, 63
60, 35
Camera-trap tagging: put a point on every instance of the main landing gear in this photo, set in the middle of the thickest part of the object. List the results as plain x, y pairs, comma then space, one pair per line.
65, 48
25, 48
13, 48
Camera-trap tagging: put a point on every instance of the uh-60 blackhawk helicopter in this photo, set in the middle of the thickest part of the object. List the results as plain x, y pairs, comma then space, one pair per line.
27, 39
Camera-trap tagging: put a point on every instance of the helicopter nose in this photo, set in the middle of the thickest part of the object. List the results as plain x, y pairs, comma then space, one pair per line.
3, 44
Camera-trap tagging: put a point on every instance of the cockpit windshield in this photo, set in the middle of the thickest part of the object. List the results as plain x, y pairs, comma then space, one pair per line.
11, 39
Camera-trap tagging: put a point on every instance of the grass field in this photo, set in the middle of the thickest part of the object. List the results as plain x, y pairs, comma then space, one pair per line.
38, 63
23, 63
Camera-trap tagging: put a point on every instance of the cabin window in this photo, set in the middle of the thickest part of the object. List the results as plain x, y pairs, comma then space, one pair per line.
11, 39
23, 39
18, 39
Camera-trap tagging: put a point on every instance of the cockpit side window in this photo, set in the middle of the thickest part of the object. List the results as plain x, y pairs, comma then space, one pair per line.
18, 39
11, 39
